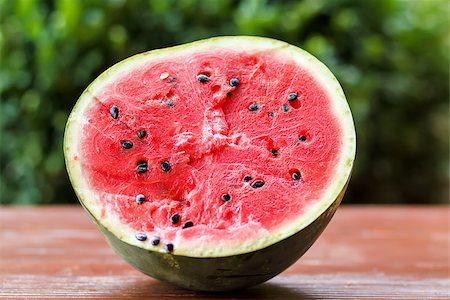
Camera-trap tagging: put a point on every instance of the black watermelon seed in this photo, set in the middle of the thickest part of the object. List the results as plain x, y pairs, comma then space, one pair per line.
141, 236
271, 114
165, 166
175, 218
253, 107
114, 111
257, 184
285, 108
187, 224
274, 152
292, 96
169, 103
168, 247
171, 79
155, 240
296, 175
226, 197
302, 138
140, 199
234, 82
141, 134
202, 78
142, 166
126, 144
247, 178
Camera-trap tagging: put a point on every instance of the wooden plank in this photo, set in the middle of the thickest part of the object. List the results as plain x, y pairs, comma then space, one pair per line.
390, 252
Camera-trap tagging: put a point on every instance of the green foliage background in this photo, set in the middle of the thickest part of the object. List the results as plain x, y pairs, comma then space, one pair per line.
392, 58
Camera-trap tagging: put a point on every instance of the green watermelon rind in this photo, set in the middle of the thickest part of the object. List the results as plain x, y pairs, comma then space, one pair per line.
115, 231
228, 273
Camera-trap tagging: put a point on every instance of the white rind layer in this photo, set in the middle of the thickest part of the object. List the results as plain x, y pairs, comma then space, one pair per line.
319, 71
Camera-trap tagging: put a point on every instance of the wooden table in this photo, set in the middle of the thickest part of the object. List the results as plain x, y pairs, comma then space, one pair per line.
379, 252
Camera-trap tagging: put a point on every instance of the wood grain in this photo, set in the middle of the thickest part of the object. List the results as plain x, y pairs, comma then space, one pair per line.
367, 252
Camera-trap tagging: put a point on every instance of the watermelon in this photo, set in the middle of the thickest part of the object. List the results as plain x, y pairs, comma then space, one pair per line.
212, 165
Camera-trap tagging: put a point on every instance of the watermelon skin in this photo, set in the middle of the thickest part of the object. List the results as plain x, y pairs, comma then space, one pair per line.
227, 268
227, 273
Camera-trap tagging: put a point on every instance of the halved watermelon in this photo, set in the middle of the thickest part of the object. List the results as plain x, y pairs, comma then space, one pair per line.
213, 165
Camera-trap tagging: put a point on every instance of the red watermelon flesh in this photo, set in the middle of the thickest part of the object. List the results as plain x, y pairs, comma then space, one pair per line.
213, 119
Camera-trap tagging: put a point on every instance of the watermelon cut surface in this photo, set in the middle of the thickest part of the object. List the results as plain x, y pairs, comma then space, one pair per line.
212, 149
